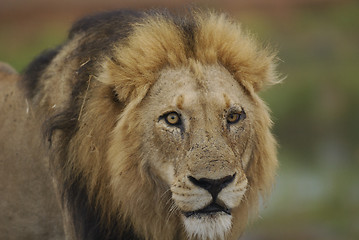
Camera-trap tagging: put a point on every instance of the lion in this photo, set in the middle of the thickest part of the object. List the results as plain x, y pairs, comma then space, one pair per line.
142, 125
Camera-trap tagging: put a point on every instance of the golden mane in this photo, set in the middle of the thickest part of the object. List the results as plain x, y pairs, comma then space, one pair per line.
159, 42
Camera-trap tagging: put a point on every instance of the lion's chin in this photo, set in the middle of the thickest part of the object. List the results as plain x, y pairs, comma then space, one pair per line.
209, 226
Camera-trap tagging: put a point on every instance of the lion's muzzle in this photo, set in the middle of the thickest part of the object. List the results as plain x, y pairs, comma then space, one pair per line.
214, 187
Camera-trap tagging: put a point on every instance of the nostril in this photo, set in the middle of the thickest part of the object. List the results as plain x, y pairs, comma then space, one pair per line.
205, 183
213, 186
227, 180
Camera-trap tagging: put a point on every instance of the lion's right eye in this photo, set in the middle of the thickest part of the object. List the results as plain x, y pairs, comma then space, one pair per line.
172, 118
235, 117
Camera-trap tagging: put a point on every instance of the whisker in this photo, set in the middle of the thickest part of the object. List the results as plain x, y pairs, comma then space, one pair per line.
173, 209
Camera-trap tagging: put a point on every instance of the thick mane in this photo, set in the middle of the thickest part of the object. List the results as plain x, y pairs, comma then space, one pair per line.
95, 37
161, 41
100, 33
106, 67
35, 69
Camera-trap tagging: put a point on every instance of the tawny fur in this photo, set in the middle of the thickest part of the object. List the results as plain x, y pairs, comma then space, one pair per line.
95, 107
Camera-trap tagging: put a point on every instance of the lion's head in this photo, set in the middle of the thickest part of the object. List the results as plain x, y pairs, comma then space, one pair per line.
193, 125
166, 137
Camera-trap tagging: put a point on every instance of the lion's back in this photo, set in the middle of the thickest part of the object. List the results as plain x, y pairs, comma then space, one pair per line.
28, 204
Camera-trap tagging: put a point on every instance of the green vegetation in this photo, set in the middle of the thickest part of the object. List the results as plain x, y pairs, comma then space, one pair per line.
21, 44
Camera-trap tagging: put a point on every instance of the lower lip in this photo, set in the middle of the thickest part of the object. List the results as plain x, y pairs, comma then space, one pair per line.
199, 213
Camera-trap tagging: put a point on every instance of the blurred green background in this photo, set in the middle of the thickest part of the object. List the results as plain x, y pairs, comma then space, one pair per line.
315, 109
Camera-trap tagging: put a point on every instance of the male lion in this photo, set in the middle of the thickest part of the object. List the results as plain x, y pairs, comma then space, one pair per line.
140, 126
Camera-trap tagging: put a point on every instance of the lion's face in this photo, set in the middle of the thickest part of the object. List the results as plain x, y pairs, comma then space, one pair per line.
198, 131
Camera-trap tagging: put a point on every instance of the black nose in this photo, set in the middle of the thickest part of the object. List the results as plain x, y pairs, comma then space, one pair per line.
213, 186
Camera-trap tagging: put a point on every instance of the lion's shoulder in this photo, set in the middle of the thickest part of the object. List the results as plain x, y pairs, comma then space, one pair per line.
27, 194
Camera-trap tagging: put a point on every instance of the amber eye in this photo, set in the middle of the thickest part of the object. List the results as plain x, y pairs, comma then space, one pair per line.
173, 118
233, 118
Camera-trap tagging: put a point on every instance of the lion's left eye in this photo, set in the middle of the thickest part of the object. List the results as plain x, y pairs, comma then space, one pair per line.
233, 118
172, 118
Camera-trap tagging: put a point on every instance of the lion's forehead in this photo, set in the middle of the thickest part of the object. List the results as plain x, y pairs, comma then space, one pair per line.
184, 88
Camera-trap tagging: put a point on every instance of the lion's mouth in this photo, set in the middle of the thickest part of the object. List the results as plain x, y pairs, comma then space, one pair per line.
212, 208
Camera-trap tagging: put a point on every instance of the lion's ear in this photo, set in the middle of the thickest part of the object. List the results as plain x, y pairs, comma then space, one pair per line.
260, 75
221, 40
125, 84
264, 77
